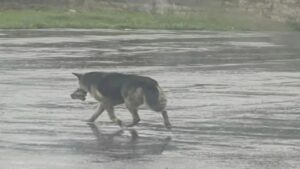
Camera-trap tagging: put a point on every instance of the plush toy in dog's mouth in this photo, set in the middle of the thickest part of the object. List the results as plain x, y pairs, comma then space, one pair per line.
79, 94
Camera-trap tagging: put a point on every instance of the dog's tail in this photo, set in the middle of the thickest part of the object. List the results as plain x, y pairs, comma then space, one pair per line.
155, 98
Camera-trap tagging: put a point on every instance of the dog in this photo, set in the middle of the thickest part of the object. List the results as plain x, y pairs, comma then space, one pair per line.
111, 89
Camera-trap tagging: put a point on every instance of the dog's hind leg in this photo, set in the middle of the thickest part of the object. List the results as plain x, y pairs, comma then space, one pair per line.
132, 101
112, 116
135, 116
99, 111
166, 119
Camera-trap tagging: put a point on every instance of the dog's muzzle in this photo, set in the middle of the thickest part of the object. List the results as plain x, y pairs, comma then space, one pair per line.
79, 94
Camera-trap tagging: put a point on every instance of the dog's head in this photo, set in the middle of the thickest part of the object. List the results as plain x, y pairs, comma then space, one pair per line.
79, 93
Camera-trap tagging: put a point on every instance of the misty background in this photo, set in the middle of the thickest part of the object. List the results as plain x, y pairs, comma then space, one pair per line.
285, 11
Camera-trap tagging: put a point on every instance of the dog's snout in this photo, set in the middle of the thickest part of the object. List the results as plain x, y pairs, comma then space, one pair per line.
79, 94
72, 95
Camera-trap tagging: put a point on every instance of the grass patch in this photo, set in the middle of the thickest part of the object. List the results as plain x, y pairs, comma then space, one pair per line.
202, 19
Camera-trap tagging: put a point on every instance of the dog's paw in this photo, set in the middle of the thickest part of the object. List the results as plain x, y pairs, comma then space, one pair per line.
120, 123
168, 126
88, 121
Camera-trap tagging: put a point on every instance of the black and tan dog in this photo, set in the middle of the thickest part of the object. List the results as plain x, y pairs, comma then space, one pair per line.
112, 89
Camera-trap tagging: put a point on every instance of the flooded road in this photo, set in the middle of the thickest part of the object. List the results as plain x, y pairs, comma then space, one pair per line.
233, 100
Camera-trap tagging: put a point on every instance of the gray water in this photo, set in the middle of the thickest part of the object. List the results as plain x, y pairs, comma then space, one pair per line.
233, 100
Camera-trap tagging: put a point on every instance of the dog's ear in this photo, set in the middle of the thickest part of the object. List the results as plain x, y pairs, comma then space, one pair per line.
77, 75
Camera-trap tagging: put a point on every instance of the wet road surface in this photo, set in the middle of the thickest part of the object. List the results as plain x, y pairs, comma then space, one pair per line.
233, 100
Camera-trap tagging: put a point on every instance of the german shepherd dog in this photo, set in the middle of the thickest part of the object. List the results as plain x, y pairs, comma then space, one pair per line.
111, 89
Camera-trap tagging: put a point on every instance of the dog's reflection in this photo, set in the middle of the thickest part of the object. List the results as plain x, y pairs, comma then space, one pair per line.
124, 144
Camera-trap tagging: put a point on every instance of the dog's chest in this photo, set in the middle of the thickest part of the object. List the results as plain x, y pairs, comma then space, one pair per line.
95, 93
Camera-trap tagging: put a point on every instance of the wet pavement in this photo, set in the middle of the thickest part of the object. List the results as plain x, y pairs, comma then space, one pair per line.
233, 100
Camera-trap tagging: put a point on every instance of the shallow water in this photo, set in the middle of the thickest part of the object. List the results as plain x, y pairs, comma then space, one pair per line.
233, 100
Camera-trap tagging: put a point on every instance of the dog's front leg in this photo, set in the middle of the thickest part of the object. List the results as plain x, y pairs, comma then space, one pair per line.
166, 119
99, 111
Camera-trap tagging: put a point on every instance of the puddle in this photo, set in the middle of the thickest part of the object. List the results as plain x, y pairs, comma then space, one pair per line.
233, 99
